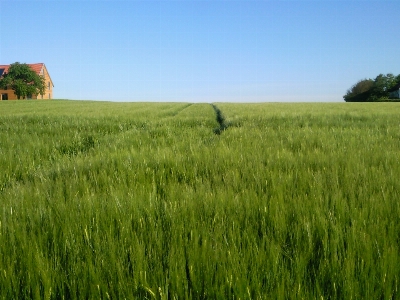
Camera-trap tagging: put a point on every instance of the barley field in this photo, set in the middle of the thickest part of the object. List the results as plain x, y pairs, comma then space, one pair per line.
102, 200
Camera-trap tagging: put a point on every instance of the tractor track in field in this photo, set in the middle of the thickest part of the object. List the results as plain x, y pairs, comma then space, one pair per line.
222, 124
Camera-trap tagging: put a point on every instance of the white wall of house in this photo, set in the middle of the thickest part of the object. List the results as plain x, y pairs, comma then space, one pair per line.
395, 94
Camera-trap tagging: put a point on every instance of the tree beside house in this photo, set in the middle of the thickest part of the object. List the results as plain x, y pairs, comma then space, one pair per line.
25, 81
382, 88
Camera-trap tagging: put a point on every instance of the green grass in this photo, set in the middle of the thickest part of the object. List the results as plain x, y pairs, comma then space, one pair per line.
145, 201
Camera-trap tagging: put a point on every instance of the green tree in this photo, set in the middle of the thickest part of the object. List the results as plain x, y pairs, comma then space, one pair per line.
23, 81
359, 92
368, 90
397, 79
382, 85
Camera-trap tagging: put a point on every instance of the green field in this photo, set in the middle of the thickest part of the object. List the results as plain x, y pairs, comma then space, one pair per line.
104, 200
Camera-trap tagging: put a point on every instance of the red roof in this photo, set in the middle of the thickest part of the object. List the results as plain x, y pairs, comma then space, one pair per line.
35, 67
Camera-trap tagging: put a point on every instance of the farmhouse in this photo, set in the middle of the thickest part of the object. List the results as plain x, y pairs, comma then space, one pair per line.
40, 69
395, 92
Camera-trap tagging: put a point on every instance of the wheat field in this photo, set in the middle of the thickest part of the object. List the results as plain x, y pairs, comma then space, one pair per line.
102, 200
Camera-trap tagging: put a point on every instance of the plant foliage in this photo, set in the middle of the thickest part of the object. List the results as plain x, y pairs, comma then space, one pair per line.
145, 201
23, 81
368, 90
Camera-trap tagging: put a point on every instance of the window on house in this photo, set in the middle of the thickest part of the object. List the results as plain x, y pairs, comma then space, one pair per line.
4, 96
48, 85
29, 96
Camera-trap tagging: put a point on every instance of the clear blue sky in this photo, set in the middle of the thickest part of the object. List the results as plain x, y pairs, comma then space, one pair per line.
203, 51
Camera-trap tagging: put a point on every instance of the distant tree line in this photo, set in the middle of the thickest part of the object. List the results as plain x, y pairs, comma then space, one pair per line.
369, 90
